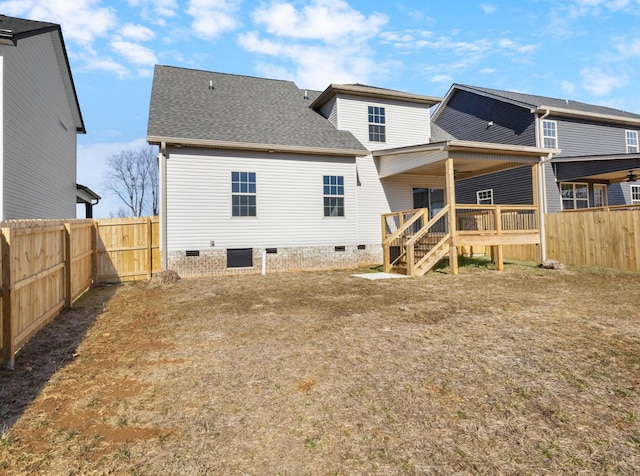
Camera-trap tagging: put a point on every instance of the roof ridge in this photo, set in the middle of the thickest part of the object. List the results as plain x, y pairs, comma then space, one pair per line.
226, 74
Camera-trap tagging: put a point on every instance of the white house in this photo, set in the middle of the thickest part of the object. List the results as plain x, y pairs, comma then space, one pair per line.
258, 173
39, 120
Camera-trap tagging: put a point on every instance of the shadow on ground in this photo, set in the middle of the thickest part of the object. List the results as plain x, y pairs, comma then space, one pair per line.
50, 350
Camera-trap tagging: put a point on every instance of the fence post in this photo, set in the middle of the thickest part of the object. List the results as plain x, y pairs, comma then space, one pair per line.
67, 265
7, 321
149, 249
94, 249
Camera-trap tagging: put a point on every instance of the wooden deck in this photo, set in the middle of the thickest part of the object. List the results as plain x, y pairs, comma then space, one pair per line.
414, 244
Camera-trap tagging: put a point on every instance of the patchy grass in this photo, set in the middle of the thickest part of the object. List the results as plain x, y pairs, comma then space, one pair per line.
526, 371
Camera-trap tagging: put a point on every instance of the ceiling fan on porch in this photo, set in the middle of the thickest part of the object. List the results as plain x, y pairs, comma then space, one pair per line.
631, 177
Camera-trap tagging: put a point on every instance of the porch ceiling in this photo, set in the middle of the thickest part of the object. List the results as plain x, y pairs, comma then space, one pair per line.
609, 169
470, 158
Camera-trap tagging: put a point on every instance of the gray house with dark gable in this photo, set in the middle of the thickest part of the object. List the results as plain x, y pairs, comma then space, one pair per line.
599, 147
40, 119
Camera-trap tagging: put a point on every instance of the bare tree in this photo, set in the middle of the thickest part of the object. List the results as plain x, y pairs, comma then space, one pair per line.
133, 176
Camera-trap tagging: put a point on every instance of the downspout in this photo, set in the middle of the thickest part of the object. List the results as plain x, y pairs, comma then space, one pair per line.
542, 188
162, 157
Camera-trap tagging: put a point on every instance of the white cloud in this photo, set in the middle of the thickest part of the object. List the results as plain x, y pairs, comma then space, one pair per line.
165, 8
486, 8
568, 87
441, 78
629, 48
487, 70
211, 18
323, 42
314, 66
82, 21
137, 32
94, 63
134, 52
330, 21
599, 83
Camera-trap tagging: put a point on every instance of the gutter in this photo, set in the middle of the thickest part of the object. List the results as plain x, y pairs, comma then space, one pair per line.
162, 159
542, 186
269, 148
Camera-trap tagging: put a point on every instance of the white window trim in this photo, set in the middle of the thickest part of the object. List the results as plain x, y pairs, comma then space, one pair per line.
337, 195
544, 136
488, 192
383, 125
635, 146
603, 187
635, 188
575, 200
244, 194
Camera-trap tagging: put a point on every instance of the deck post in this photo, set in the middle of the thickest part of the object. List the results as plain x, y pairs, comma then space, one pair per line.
451, 202
498, 255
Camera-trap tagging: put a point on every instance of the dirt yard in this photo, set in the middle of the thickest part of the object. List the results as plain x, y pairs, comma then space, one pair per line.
527, 371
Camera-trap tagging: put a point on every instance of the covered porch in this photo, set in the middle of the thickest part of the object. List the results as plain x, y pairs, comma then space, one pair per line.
415, 240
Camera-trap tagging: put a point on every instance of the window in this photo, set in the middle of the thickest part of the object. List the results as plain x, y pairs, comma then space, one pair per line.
599, 195
333, 195
550, 134
574, 195
635, 194
484, 197
243, 194
377, 128
632, 142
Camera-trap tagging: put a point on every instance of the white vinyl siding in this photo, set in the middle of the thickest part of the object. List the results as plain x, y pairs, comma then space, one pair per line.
406, 123
39, 154
290, 196
632, 141
376, 196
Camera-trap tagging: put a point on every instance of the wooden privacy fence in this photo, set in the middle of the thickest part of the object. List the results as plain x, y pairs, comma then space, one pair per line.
606, 237
47, 264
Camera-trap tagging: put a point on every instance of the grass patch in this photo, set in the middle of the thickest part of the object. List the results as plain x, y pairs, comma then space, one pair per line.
515, 372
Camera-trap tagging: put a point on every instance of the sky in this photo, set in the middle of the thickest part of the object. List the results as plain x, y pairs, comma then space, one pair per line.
582, 50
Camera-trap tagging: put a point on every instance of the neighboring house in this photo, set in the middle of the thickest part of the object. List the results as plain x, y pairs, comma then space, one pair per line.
599, 147
39, 120
258, 172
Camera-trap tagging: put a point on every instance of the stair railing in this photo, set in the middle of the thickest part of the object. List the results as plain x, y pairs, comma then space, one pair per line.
412, 265
400, 237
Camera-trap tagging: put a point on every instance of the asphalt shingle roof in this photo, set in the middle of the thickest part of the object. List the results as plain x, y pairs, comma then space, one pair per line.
240, 109
20, 26
535, 101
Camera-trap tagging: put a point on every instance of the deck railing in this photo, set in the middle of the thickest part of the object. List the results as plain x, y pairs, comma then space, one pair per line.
496, 219
410, 239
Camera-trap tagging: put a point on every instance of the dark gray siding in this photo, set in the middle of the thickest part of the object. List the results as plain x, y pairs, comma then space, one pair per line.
512, 187
579, 138
467, 116
616, 194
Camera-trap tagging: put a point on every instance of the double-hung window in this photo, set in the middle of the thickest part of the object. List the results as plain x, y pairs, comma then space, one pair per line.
333, 191
377, 127
632, 142
635, 194
574, 195
550, 134
484, 197
243, 194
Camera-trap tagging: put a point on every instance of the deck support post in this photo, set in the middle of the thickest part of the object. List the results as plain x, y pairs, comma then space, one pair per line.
451, 202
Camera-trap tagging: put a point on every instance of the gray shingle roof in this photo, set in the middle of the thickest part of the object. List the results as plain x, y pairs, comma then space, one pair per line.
536, 101
21, 26
239, 109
